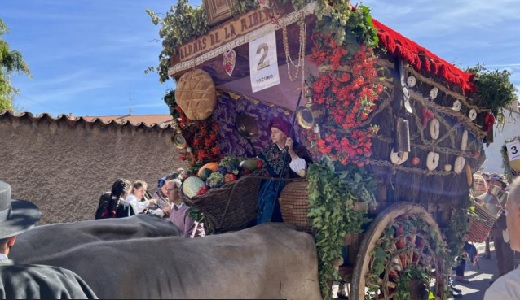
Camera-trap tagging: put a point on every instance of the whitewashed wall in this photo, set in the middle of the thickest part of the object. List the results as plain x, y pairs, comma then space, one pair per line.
494, 161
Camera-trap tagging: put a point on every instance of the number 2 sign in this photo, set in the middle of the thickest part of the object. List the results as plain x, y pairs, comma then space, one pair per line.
264, 70
263, 62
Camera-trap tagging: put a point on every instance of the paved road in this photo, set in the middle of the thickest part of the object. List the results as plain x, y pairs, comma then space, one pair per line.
479, 279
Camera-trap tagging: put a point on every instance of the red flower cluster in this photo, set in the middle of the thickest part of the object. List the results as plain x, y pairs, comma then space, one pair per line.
348, 91
201, 137
345, 150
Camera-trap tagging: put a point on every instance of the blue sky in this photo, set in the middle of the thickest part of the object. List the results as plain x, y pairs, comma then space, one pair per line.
88, 57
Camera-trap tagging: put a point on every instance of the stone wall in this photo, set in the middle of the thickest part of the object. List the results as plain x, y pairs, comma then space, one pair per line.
64, 164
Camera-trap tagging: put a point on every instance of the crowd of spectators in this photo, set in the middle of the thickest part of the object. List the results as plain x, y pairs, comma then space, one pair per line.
165, 202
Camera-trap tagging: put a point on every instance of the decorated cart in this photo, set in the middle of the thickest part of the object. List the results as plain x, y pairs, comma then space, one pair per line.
395, 131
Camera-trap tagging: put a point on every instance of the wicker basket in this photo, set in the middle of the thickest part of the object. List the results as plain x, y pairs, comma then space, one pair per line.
481, 225
294, 204
231, 207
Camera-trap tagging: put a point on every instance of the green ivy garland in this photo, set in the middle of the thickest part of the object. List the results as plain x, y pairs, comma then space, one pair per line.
332, 215
456, 231
409, 274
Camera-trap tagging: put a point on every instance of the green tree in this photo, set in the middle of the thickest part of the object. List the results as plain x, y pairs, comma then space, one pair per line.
495, 90
11, 61
180, 24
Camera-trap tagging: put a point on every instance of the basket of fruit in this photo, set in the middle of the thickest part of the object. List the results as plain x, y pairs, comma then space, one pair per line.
226, 192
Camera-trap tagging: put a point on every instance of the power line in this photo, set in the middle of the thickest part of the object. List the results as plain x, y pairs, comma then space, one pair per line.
38, 103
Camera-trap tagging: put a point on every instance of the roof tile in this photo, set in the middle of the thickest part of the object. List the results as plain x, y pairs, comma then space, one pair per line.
140, 121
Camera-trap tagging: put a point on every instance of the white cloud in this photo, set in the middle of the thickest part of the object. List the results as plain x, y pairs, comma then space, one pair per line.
70, 92
419, 19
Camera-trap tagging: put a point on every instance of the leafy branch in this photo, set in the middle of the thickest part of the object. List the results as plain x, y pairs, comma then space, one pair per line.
11, 61
411, 273
347, 22
181, 24
495, 90
456, 231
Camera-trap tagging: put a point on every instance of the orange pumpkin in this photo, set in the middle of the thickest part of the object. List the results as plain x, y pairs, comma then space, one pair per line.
211, 165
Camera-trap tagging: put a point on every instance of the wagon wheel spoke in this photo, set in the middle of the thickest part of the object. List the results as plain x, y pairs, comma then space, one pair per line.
399, 254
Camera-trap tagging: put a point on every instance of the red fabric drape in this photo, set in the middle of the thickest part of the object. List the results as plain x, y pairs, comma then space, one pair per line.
421, 59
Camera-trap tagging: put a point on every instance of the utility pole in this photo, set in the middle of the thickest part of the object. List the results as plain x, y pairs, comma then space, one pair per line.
130, 109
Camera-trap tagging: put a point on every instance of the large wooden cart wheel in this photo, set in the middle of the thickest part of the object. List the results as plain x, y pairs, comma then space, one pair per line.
403, 247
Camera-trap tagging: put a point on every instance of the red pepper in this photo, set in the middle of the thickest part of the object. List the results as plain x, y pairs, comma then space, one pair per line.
203, 190
403, 260
427, 115
400, 244
229, 177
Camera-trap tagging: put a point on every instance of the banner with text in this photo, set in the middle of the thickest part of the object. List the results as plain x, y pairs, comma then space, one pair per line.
264, 69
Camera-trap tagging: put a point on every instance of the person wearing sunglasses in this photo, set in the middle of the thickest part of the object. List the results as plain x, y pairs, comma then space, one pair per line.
178, 211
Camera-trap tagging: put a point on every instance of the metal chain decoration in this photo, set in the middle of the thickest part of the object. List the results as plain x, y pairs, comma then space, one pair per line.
302, 49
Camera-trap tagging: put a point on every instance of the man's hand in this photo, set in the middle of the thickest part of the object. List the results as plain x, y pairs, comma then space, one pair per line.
167, 210
289, 144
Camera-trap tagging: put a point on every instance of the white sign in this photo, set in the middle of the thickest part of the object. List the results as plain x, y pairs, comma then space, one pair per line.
513, 150
264, 69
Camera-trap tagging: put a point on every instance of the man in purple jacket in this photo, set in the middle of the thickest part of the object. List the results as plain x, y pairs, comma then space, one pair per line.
178, 211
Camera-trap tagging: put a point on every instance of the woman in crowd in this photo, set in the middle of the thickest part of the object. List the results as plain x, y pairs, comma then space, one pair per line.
109, 201
139, 189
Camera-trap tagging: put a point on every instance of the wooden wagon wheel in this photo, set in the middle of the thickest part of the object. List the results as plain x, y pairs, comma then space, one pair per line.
402, 251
